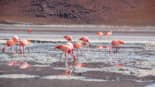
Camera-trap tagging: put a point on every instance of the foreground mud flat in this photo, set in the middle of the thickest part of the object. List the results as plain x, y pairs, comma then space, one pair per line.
52, 75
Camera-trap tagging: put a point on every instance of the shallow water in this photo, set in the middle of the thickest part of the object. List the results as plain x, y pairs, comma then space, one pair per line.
46, 53
152, 85
134, 56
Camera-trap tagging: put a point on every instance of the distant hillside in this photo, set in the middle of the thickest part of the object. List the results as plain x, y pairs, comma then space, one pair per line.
115, 12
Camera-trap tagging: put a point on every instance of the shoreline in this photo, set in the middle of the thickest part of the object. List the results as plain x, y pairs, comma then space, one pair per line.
90, 28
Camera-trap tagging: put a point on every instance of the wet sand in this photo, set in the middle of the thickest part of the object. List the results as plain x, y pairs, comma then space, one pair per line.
65, 83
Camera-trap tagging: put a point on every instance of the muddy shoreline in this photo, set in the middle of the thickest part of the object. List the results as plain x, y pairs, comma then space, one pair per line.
111, 79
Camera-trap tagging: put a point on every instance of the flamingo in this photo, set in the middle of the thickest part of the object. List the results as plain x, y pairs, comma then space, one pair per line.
23, 43
84, 39
68, 38
109, 33
9, 43
68, 50
99, 34
77, 46
85, 42
116, 44
29, 30
16, 40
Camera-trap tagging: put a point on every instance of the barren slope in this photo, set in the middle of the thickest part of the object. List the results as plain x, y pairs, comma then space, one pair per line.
115, 12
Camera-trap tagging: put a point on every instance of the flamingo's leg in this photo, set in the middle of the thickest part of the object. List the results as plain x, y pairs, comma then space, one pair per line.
3, 49
75, 61
20, 50
27, 49
12, 49
61, 58
23, 50
66, 62
68, 71
16, 51
111, 52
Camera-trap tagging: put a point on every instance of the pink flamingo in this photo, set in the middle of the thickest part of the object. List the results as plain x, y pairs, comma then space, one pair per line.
85, 42
77, 46
116, 44
29, 30
99, 34
68, 50
84, 39
9, 43
68, 38
23, 44
15, 38
109, 33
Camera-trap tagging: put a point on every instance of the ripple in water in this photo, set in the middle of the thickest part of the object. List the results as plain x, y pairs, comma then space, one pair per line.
18, 76
63, 77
